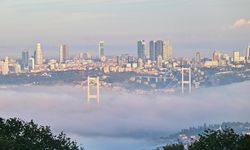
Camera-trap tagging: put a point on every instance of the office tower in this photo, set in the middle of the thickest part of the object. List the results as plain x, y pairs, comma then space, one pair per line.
216, 56
236, 56
17, 68
5, 67
152, 50
167, 50
38, 55
248, 53
158, 48
197, 59
101, 49
141, 48
63, 54
118, 60
25, 59
159, 61
31, 63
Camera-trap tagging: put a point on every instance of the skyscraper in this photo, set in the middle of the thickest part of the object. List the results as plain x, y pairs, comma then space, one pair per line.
63, 54
25, 59
17, 68
197, 59
101, 49
31, 63
248, 53
167, 50
38, 55
5, 67
236, 56
152, 50
141, 48
158, 48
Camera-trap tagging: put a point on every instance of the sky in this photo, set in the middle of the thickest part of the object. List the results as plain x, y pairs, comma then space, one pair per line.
191, 25
124, 120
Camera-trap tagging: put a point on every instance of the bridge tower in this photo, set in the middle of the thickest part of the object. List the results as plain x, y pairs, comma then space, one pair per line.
189, 81
93, 82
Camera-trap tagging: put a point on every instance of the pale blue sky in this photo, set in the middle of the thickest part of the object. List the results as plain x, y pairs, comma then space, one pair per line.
190, 24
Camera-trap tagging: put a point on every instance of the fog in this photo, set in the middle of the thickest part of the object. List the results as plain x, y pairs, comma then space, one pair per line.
123, 120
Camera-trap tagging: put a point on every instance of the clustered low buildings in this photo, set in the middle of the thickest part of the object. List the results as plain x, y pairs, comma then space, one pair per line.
220, 59
152, 60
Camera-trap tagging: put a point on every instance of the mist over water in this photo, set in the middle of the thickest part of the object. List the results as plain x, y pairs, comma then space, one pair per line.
124, 120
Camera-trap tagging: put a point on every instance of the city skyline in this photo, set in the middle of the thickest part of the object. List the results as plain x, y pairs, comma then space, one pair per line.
147, 49
125, 74
222, 25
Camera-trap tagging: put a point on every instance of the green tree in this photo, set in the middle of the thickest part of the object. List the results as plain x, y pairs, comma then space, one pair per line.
174, 147
16, 134
244, 143
225, 139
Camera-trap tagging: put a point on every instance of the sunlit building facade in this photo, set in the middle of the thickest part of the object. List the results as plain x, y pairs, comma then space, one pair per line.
236, 56
38, 54
63, 54
167, 50
248, 53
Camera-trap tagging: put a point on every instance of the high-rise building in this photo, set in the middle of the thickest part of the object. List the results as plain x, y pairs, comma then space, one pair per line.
141, 49
248, 53
197, 59
236, 56
216, 56
101, 49
158, 49
31, 63
17, 68
5, 67
152, 50
167, 50
25, 59
38, 55
63, 54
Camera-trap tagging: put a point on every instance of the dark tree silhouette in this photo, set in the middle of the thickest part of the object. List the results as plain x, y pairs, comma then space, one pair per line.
16, 134
174, 147
244, 143
225, 139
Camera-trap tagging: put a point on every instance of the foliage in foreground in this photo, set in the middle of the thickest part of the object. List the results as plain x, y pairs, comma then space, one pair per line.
16, 134
225, 139
174, 147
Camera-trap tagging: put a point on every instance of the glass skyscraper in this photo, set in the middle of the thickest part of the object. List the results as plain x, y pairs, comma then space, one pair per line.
141, 49
152, 50
25, 59
158, 48
101, 49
